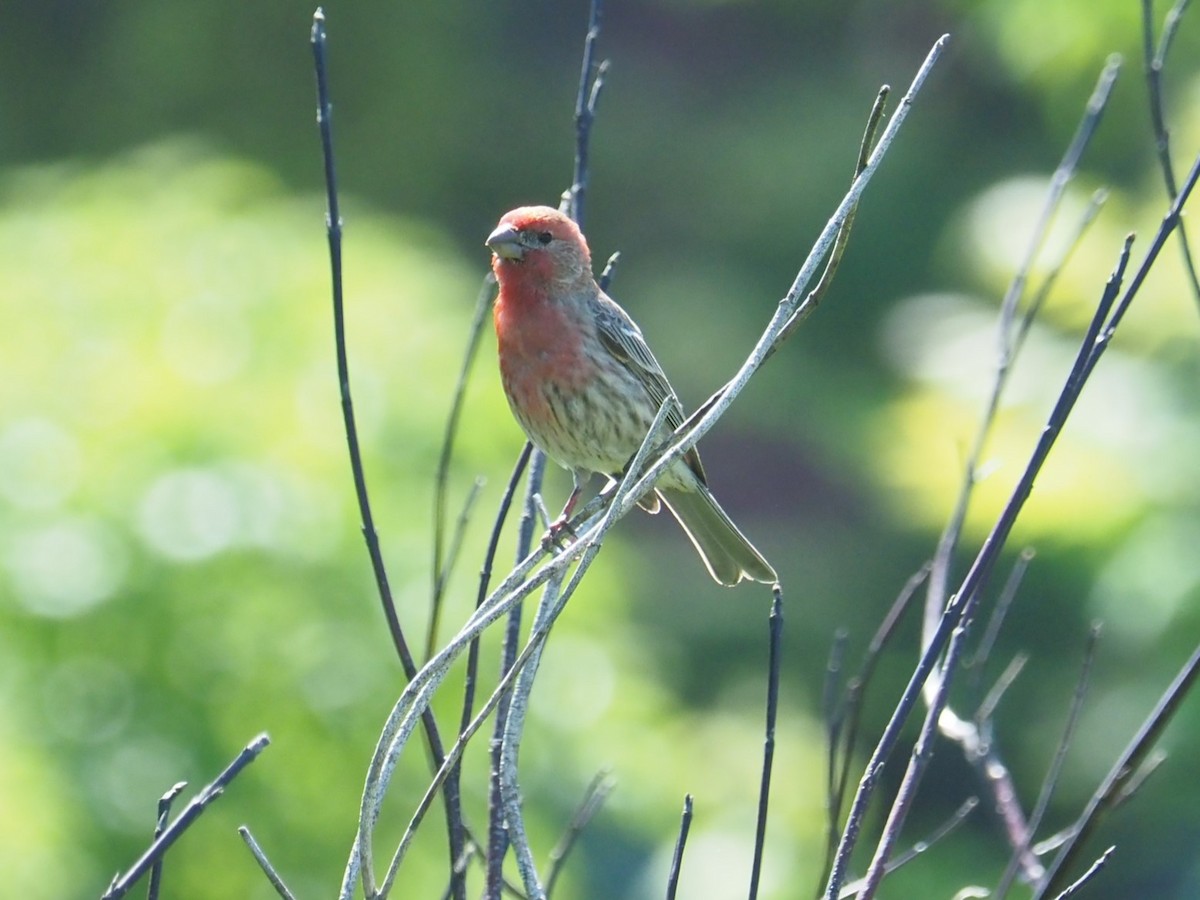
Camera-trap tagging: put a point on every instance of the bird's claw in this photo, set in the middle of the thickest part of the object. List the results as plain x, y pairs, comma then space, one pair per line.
560, 535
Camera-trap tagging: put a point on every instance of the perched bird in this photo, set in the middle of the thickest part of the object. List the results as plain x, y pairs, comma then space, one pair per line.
585, 387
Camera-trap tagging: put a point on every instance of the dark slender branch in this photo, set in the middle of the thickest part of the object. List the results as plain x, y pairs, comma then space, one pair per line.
1011, 334
843, 236
497, 829
1154, 62
1139, 777
1050, 782
850, 718
959, 609
836, 251
941, 833
269, 870
502, 691
442, 565
1123, 769
1087, 876
164, 813
122, 883
485, 577
833, 714
991, 700
451, 557
333, 224
1169, 223
1003, 604
774, 663
585, 110
593, 798
1010, 341
922, 752
685, 825
700, 422
609, 271
472, 671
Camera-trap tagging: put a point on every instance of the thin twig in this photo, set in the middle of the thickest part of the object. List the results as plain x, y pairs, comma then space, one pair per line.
485, 577
943, 831
1154, 63
587, 98
451, 557
1122, 770
833, 714
849, 718
1139, 777
509, 752
160, 822
333, 223
774, 663
919, 760
1011, 334
494, 879
585, 110
1003, 603
1087, 876
442, 561
1009, 340
265, 864
1109, 314
1010, 674
609, 272
593, 798
839, 240
122, 883
843, 236
1050, 782
497, 830
685, 825
706, 416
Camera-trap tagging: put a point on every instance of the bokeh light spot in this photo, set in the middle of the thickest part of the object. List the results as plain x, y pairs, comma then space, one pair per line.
65, 568
39, 464
190, 514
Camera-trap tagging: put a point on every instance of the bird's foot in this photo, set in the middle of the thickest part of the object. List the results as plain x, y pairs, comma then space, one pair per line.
560, 535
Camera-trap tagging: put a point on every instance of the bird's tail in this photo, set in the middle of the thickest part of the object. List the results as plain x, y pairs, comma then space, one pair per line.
727, 554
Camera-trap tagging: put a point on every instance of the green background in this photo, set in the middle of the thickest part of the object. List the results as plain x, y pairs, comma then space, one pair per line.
180, 562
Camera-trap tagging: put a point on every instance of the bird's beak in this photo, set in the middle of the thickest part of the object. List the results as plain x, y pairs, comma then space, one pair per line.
505, 242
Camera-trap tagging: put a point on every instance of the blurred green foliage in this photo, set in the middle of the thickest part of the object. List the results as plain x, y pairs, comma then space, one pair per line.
180, 563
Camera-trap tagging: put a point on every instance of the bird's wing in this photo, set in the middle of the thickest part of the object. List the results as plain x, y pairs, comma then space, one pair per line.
621, 337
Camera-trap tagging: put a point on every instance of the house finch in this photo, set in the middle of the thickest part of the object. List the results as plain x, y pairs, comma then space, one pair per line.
585, 387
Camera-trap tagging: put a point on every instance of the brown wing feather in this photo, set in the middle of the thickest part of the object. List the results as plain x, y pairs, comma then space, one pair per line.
623, 339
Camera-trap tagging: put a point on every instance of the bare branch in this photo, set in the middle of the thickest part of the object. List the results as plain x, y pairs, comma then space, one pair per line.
269, 870
593, 798
1110, 790
167, 837
164, 814
333, 224
1049, 783
685, 824
1154, 62
774, 662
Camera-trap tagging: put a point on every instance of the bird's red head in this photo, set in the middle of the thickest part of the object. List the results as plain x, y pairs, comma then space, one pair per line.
541, 244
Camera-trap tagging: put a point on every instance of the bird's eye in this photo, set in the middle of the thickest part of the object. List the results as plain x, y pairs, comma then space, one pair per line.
544, 237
